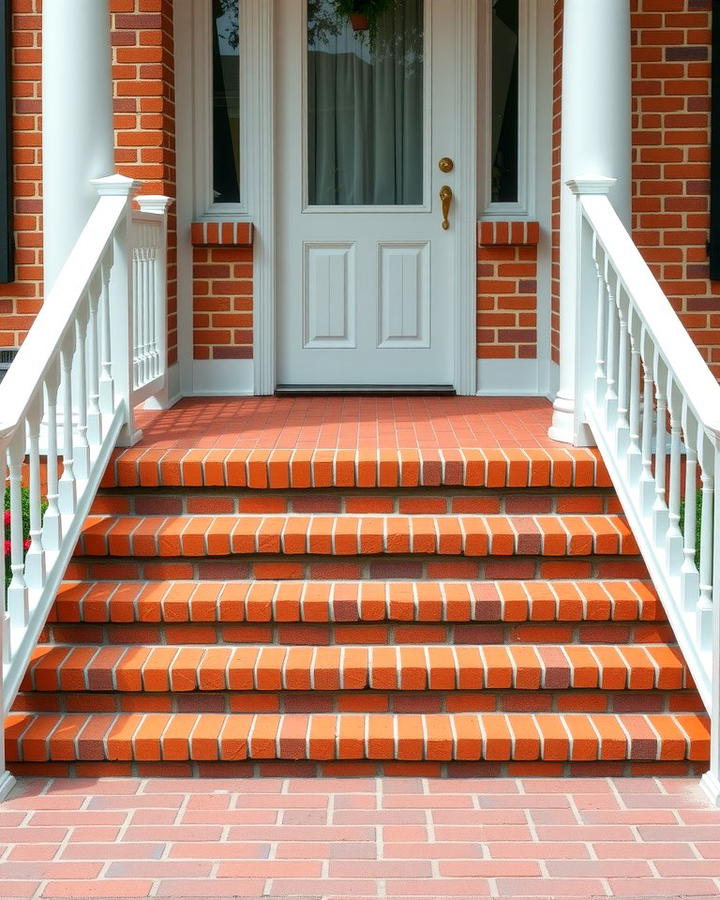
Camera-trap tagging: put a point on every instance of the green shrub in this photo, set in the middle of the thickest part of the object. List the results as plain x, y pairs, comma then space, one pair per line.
25, 505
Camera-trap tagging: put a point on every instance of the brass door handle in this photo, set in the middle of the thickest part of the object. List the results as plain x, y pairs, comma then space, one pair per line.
446, 196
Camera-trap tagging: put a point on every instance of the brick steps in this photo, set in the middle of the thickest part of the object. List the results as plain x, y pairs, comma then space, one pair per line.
357, 612
348, 602
474, 536
363, 468
468, 737
356, 668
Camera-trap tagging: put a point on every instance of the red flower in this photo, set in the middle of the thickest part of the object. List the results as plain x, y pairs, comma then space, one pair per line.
26, 544
7, 548
7, 517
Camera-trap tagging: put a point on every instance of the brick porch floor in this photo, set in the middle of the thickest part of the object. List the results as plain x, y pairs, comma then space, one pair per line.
360, 838
349, 423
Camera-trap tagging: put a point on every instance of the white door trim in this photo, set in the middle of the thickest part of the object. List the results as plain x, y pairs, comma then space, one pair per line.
466, 209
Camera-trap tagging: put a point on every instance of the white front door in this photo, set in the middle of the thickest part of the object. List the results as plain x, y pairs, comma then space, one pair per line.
366, 124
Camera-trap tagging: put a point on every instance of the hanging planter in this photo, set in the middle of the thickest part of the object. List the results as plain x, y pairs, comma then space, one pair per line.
364, 15
359, 22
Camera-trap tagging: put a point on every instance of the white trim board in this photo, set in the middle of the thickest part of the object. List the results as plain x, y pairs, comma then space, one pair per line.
223, 378
509, 378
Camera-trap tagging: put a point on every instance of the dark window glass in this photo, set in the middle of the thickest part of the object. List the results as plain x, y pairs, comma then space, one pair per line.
226, 102
505, 55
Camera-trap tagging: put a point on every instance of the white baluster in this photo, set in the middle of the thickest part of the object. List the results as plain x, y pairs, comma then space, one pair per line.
674, 539
6, 647
147, 303
689, 572
67, 486
660, 509
81, 452
107, 385
35, 559
707, 545
634, 453
52, 523
154, 360
623, 422
137, 319
600, 375
95, 429
17, 595
647, 484
611, 397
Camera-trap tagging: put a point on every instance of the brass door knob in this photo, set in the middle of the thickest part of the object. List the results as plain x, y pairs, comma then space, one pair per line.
446, 164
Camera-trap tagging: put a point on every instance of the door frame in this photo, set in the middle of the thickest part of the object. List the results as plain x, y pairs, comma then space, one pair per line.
259, 120
465, 210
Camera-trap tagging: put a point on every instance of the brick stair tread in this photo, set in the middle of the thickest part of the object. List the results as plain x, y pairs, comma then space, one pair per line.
348, 602
162, 669
367, 468
443, 737
197, 536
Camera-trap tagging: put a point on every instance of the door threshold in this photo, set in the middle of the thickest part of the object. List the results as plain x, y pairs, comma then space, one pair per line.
374, 390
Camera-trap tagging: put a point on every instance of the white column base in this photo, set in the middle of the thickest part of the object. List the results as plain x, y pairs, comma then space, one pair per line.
565, 428
7, 783
711, 785
563, 420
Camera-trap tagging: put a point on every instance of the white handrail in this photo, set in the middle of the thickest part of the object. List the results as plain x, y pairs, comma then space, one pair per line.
65, 403
653, 406
662, 323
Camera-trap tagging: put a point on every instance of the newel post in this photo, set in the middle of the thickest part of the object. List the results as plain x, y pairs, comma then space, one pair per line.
596, 143
711, 779
581, 317
121, 302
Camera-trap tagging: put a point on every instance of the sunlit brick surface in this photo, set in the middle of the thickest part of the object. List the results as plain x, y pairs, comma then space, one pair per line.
350, 423
361, 838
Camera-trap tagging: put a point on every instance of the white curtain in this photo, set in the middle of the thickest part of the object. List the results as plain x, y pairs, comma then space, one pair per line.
365, 113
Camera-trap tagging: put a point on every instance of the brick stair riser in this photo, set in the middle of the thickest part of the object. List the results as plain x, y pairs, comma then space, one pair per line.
468, 737
342, 536
356, 602
302, 469
517, 701
354, 568
359, 769
411, 668
173, 502
361, 634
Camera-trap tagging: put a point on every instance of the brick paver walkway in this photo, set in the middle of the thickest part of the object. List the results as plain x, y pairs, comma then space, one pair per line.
360, 838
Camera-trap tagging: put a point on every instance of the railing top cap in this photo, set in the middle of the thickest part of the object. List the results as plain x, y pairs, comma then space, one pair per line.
598, 184
116, 186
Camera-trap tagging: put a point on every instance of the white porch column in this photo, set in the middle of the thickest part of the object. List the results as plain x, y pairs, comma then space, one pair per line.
596, 143
77, 135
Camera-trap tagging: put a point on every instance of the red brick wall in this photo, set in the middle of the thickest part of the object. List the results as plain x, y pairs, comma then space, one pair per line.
671, 168
222, 291
145, 143
20, 301
144, 106
507, 290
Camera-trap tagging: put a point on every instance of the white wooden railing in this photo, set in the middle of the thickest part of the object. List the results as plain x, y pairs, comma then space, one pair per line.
653, 406
95, 350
